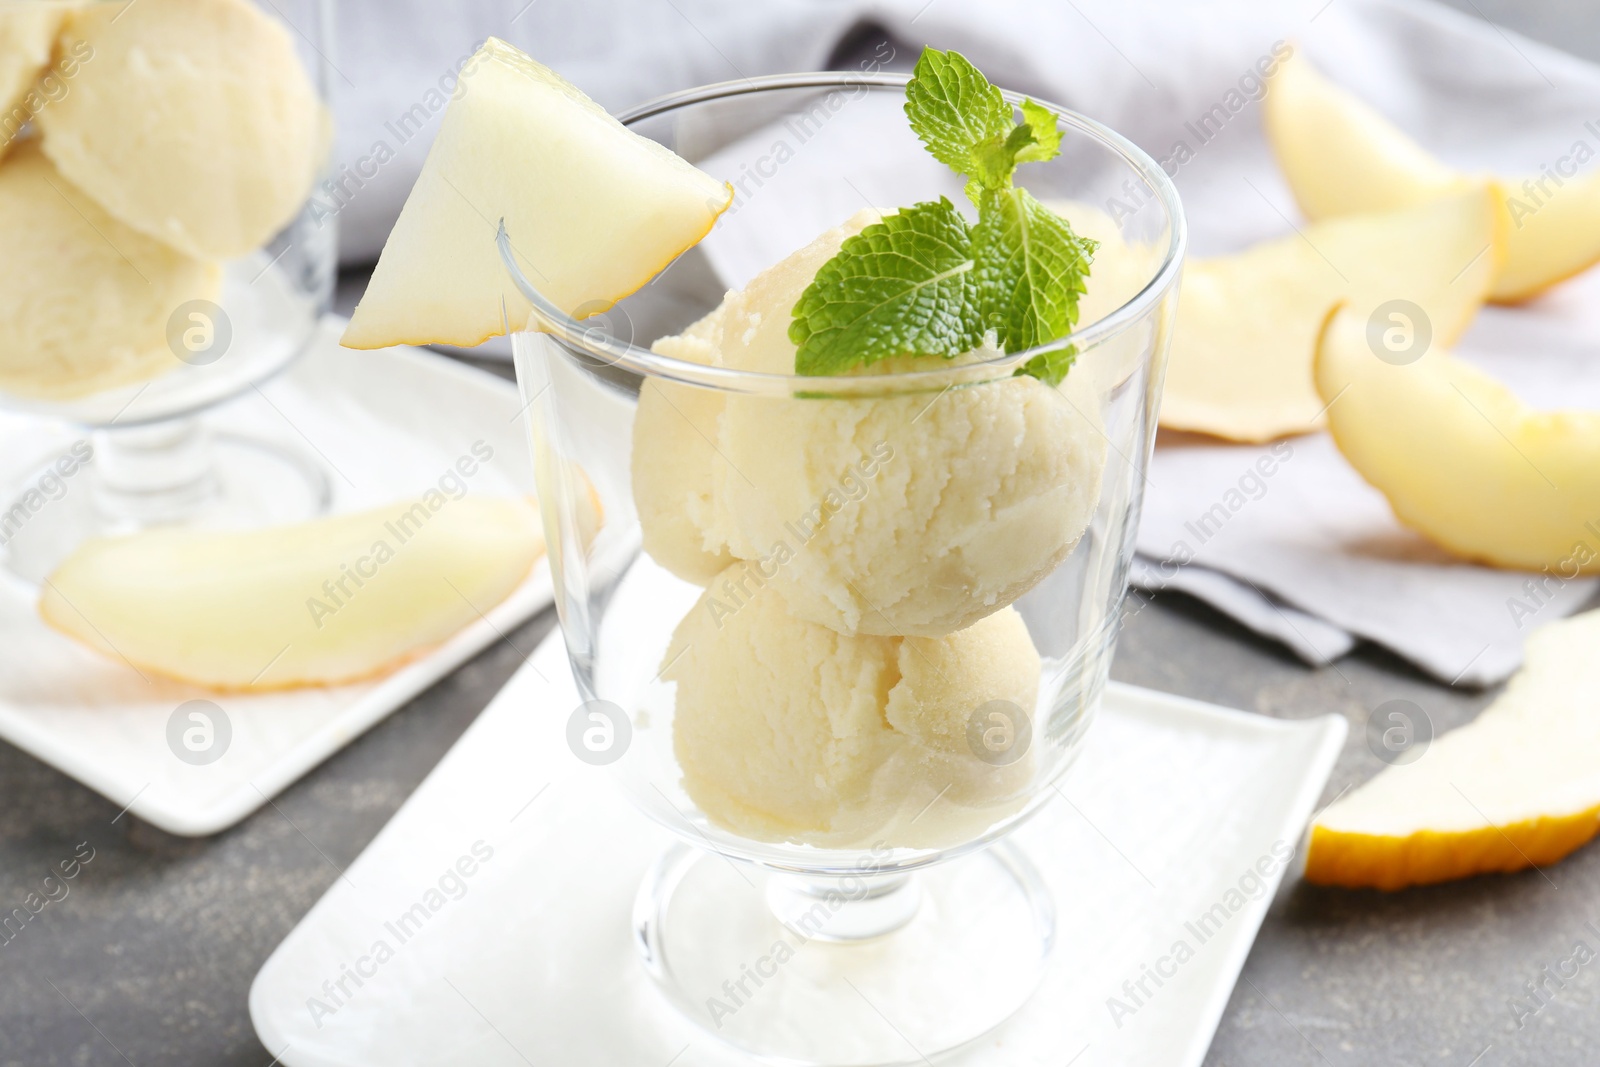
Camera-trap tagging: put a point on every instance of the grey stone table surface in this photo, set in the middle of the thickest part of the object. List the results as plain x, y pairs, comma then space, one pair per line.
149, 959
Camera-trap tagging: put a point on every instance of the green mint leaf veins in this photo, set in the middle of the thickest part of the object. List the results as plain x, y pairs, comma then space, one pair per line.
899, 287
952, 107
922, 282
1029, 268
967, 125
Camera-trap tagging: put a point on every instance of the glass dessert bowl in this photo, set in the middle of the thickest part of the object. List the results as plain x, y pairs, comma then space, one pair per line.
158, 168
841, 634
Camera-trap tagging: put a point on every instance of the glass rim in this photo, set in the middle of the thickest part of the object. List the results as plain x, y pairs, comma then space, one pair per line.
600, 345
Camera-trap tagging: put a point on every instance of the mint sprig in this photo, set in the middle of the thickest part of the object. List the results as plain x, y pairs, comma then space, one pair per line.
906, 285
923, 281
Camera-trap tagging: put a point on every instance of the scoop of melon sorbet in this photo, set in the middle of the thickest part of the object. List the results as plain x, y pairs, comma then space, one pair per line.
912, 514
675, 458
790, 731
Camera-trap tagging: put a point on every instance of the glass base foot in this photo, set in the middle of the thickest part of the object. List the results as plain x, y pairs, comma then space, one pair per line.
224, 481
847, 971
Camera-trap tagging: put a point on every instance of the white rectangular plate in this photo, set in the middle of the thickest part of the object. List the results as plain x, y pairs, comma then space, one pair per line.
1169, 811
386, 425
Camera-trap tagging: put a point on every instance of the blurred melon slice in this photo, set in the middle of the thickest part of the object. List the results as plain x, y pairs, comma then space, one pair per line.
1240, 366
195, 122
28, 34
1551, 238
593, 211
1462, 460
1341, 157
1517, 787
84, 300
323, 602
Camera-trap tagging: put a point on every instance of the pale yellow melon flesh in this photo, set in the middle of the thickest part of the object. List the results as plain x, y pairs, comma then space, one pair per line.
593, 211
1463, 460
1240, 365
1341, 157
195, 122
1554, 235
84, 300
1517, 787
324, 602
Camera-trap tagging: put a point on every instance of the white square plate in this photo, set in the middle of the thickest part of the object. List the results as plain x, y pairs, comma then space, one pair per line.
530, 959
387, 425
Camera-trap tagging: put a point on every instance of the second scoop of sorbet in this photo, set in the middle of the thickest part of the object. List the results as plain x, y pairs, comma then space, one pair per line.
787, 730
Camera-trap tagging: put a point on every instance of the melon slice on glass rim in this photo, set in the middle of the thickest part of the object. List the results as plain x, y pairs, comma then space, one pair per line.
593, 211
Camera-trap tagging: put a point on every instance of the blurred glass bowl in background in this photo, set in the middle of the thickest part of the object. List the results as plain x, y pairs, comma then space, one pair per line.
165, 254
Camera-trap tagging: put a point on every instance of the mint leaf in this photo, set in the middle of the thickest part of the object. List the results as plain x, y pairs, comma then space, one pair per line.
1050, 367
968, 126
994, 159
902, 286
1029, 270
923, 283
952, 107
1042, 123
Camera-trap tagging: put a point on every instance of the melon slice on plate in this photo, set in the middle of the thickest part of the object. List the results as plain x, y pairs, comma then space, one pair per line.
193, 121
1240, 366
323, 602
593, 211
1342, 157
1517, 787
1462, 460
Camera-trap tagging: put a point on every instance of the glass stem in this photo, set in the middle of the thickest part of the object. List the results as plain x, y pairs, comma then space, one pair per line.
844, 908
152, 475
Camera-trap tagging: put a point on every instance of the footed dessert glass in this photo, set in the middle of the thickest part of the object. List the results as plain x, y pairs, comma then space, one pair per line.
842, 634
194, 251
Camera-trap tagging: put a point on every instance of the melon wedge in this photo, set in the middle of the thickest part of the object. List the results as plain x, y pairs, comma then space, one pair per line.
593, 211
1341, 157
1462, 460
1240, 365
1555, 234
1517, 787
330, 601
